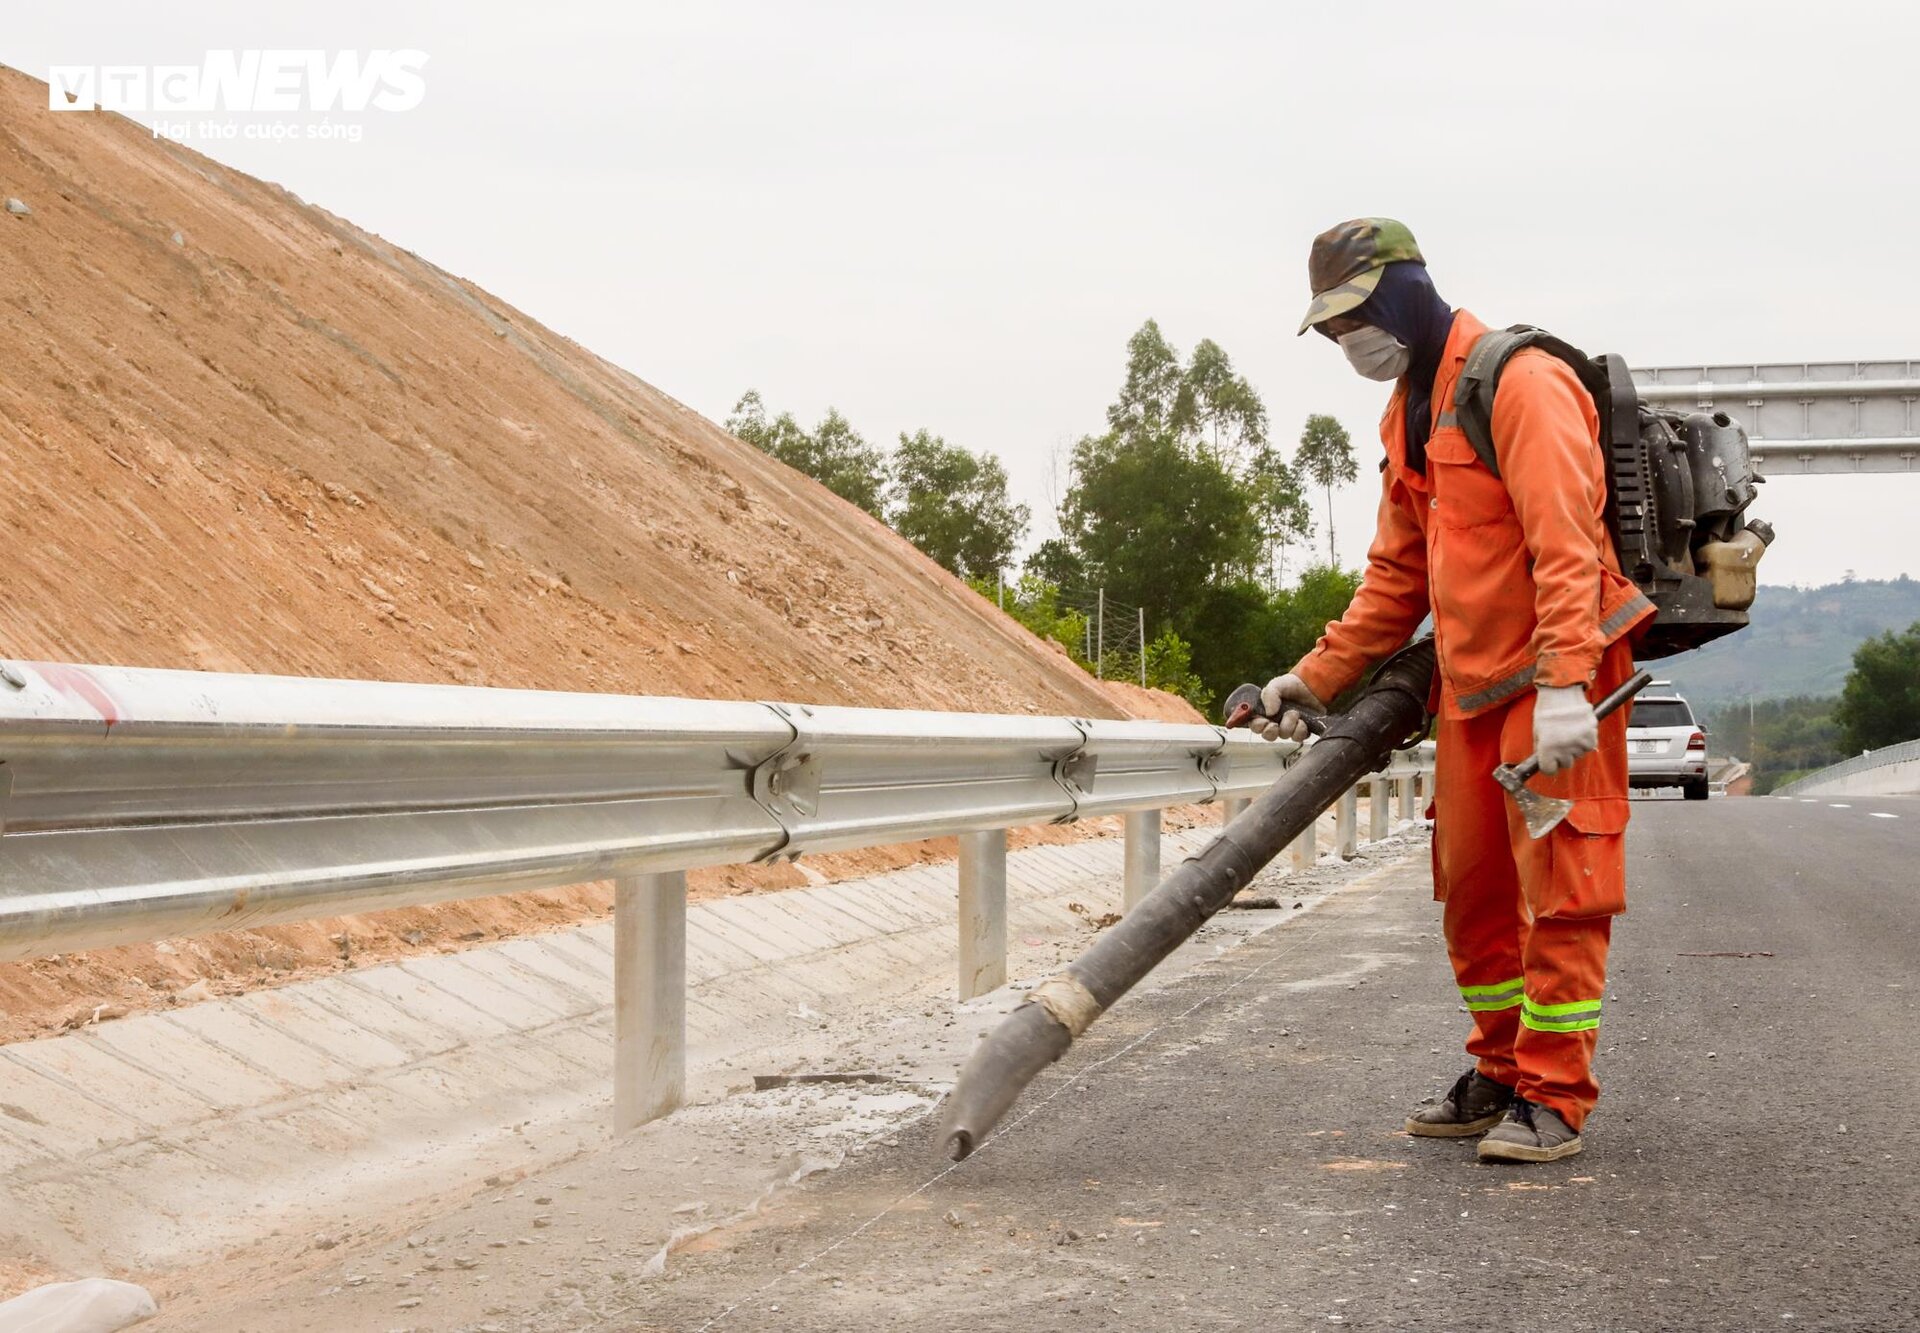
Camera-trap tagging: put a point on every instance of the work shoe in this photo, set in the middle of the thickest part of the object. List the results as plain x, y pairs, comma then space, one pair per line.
1530, 1133
1474, 1106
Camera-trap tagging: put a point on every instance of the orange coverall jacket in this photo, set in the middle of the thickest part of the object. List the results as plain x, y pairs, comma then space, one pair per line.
1518, 570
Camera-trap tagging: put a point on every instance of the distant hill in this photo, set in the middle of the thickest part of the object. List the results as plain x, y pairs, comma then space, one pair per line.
1801, 641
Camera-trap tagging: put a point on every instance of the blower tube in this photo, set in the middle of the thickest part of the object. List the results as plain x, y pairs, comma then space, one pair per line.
1033, 1036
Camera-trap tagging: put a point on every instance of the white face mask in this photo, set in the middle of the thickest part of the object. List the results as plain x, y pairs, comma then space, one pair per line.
1375, 353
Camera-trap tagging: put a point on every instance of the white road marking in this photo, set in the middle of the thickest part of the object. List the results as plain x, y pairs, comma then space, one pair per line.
1808, 800
1839, 807
1880, 814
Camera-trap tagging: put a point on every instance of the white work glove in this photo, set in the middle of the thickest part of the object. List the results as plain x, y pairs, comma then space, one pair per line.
1564, 727
1282, 701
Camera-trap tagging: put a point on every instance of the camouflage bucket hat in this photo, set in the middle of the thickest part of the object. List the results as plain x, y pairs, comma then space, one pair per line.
1346, 261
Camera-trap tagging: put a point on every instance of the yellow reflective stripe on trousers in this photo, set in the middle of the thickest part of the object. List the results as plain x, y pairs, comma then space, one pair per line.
1504, 995
1574, 1016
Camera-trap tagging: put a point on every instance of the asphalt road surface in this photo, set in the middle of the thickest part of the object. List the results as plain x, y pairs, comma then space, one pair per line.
1227, 1153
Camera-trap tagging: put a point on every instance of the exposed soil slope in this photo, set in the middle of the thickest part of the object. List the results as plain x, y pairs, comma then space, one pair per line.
241, 434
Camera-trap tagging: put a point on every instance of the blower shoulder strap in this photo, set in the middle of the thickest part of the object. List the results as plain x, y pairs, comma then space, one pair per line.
1480, 379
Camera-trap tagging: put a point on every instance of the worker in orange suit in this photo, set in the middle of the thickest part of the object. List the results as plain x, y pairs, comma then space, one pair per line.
1531, 618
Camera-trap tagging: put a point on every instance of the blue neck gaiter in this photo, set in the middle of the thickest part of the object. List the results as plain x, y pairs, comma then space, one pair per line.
1406, 305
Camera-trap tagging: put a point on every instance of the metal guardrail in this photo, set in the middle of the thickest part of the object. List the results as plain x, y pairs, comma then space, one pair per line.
139, 805
1903, 753
1819, 417
1722, 774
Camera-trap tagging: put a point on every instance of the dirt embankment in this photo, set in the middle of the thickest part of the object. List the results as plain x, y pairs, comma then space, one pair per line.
241, 434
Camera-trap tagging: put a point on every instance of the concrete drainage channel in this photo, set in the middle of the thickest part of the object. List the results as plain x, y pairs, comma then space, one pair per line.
315, 1122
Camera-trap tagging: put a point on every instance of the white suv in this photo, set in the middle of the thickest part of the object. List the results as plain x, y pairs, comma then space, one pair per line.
1665, 746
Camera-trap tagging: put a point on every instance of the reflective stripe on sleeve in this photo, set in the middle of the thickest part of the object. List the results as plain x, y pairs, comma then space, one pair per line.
1500, 690
1630, 610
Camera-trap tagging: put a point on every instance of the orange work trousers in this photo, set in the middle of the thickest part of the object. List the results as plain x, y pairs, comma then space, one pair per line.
1528, 920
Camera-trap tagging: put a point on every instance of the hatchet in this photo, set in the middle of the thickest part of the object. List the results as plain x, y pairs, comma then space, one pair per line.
1242, 708
1544, 813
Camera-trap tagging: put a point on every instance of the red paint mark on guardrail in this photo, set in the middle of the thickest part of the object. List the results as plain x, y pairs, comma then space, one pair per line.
76, 684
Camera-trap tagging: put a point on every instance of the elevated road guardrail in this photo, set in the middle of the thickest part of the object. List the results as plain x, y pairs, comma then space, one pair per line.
1806, 417
1892, 770
140, 804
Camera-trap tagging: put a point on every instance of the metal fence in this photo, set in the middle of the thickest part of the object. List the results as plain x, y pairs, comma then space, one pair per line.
1905, 752
1806, 417
139, 805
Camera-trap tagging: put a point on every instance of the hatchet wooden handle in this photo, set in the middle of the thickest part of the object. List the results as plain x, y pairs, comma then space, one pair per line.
1529, 766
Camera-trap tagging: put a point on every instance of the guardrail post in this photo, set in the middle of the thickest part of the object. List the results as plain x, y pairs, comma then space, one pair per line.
1346, 836
1378, 810
649, 997
1142, 857
1405, 784
983, 912
1231, 806
1306, 847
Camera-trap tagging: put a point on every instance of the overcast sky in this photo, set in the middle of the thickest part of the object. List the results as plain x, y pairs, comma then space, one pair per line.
954, 218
